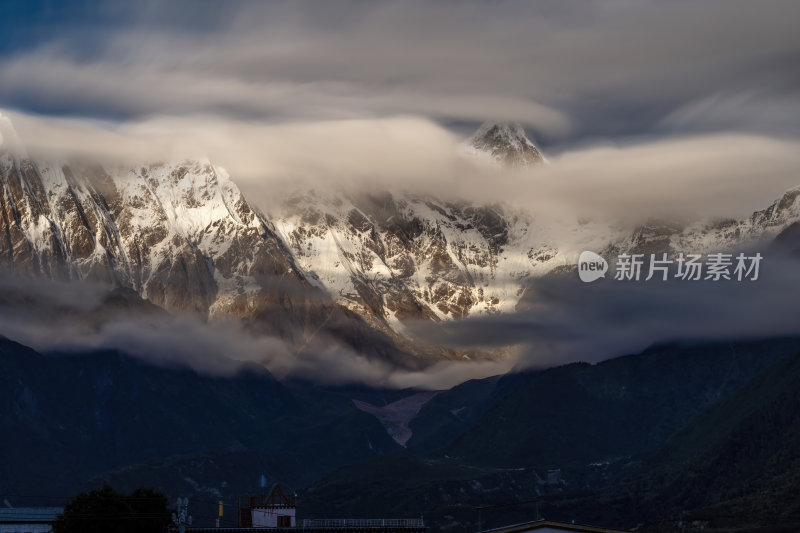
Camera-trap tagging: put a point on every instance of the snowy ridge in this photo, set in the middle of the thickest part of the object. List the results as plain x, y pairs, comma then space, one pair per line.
183, 236
404, 257
399, 258
177, 233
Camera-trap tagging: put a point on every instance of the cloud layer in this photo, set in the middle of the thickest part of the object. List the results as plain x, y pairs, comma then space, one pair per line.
74, 317
565, 68
640, 105
709, 175
562, 319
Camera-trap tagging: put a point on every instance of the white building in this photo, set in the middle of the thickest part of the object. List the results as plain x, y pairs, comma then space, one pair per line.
273, 517
272, 511
28, 519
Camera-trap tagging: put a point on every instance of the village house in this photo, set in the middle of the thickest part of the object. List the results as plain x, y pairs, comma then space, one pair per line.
277, 512
28, 519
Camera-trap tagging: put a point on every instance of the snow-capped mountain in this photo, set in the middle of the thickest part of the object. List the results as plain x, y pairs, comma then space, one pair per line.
409, 257
358, 266
181, 235
505, 143
759, 229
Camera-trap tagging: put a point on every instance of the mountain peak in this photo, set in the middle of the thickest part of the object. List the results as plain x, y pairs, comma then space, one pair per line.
507, 143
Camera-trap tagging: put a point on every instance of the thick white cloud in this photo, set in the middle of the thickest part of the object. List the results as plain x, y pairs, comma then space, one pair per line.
565, 320
559, 66
708, 175
70, 317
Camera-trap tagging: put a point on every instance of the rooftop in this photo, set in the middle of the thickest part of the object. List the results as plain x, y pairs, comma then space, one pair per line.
551, 525
29, 514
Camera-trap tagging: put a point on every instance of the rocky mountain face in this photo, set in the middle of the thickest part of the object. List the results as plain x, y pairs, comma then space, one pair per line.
763, 226
358, 266
407, 258
180, 234
398, 258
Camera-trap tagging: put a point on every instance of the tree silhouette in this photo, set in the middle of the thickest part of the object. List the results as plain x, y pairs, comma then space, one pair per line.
107, 511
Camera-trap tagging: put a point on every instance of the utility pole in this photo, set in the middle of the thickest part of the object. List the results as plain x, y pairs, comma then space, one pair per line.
181, 517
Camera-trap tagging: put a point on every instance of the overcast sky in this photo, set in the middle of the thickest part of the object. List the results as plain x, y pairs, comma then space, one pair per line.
704, 93
568, 70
